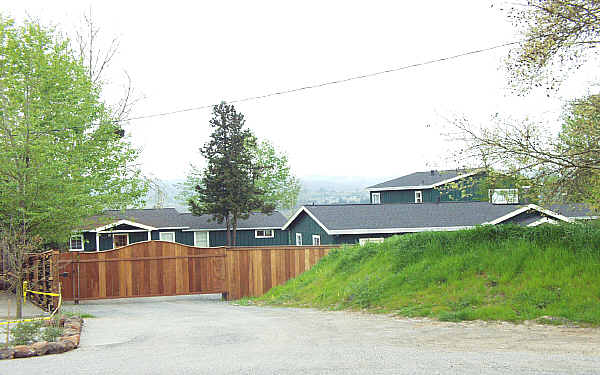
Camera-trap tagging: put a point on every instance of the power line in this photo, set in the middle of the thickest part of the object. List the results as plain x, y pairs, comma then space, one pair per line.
330, 83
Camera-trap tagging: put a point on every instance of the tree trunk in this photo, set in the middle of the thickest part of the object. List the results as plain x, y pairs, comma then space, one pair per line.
234, 224
228, 232
19, 296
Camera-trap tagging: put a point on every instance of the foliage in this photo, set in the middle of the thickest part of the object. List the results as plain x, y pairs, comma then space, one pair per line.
228, 189
51, 333
276, 181
279, 186
503, 272
563, 168
560, 35
26, 332
62, 157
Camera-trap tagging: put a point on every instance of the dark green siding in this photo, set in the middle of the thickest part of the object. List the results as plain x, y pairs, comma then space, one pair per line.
216, 238
307, 226
429, 195
247, 238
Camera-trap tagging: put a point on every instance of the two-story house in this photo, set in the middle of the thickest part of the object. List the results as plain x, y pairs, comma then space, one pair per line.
418, 202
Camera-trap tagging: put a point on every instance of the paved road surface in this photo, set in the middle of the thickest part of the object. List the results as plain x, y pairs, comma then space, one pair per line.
202, 335
29, 309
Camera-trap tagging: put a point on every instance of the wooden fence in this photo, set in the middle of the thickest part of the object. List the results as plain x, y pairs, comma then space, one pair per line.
144, 269
159, 268
252, 271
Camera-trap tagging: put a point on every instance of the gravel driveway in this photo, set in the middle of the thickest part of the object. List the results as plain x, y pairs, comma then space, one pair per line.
202, 335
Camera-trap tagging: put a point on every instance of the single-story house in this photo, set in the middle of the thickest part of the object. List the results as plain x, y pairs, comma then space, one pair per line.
359, 223
120, 228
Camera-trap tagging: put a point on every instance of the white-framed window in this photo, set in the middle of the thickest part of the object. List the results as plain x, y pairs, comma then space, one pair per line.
418, 196
316, 240
120, 240
76, 242
264, 233
201, 239
298, 239
166, 236
504, 196
363, 241
376, 198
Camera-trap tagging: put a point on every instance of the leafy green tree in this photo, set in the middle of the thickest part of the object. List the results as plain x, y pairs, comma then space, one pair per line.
228, 188
560, 35
557, 169
62, 154
275, 178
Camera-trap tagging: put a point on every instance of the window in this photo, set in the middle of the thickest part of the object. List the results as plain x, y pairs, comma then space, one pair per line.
167, 236
504, 196
201, 239
316, 240
418, 196
264, 233
298, 239
363, 241
76, 242
120, 240
376, 198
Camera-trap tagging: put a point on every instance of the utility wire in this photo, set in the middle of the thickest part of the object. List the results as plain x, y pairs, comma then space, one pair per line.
330, 83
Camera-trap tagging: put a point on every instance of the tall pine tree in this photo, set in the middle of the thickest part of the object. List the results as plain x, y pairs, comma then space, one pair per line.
228, 190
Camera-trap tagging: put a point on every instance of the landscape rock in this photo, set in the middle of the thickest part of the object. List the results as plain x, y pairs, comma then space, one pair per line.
56, 347
71, 332
73, 338
69, 345
24, 351
7, 353
40, 347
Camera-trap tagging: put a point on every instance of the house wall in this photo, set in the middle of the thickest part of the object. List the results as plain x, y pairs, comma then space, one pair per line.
443, 193
247, 238
307, 226
216, 238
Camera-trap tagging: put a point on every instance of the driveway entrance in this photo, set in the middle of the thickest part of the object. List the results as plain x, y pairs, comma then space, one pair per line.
200, 334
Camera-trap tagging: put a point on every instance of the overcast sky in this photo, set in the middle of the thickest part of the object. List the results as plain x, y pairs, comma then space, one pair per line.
184, 54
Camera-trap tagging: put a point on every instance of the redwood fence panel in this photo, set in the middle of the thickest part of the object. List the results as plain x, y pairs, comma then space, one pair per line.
160, 268
253, 271
143, 269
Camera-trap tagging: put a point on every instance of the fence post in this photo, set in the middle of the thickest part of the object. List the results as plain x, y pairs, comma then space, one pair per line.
25, 292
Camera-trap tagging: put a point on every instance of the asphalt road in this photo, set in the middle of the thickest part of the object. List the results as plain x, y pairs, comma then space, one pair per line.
202, 335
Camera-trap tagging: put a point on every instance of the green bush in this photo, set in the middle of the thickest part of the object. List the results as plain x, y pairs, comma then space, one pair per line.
25, 333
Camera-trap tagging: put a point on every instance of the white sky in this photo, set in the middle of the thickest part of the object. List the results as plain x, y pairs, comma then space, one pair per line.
183, 54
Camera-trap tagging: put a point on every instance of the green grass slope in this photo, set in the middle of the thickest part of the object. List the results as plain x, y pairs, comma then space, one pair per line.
492, 273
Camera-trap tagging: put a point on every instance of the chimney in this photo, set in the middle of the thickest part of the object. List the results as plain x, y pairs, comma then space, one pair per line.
433, 172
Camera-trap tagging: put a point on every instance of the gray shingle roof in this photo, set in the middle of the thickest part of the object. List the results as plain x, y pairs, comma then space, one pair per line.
170, 217
420, 179
573, 210
256, 220
408, 215
154, 217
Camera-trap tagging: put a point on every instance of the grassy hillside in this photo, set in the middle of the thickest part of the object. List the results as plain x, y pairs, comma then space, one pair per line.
492, 273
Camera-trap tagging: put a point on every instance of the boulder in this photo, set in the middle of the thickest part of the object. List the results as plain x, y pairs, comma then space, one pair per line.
40, 347
73, 338
24, 351
7, 354
56, 347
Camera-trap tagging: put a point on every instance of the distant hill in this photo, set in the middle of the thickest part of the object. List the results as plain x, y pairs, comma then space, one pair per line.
315, 189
